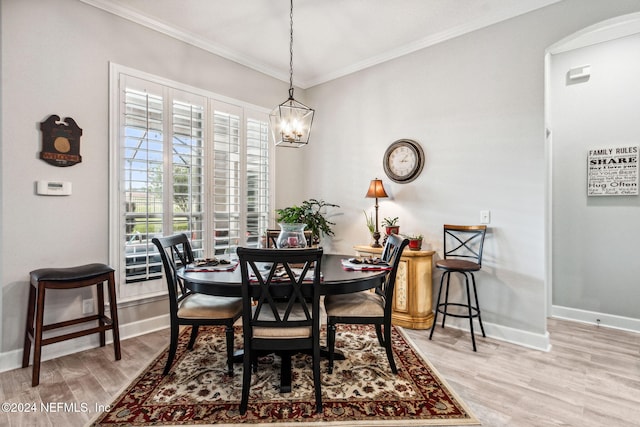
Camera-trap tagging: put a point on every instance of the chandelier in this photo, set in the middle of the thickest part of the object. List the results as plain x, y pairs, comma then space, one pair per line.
291, 121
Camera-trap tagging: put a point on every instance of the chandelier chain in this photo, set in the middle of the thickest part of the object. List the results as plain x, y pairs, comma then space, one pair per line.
291, 51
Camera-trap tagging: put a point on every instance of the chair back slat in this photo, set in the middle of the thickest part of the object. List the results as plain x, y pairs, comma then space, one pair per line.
464, 242
175, 252
391, 254
279, 281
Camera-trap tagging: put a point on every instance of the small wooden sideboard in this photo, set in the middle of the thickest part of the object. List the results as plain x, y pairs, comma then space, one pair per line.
412, 297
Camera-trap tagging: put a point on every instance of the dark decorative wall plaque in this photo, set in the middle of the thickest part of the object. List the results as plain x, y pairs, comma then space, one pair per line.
60, 141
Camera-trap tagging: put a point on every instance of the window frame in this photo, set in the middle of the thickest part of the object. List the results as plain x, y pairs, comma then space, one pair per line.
152, 289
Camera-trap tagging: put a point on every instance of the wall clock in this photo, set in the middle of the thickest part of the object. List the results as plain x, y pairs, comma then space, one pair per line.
403, 161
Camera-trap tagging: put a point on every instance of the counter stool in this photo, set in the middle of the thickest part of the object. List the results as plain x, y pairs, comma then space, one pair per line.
462, 254
68, 278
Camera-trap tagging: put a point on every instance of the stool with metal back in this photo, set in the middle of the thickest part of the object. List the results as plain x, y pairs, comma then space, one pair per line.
462, 254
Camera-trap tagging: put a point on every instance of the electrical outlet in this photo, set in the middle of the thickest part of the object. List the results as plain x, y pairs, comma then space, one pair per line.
485, 217
87, 306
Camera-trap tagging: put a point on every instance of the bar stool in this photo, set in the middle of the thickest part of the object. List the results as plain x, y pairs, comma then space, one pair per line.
463, 255
68, 278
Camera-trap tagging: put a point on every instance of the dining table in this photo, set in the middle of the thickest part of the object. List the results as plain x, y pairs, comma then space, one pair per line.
336, 279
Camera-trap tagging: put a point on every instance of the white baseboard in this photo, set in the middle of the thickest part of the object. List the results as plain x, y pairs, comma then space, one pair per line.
594, 318
520, 337
13, 359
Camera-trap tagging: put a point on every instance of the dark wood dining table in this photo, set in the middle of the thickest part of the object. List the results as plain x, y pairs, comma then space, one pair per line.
335, 280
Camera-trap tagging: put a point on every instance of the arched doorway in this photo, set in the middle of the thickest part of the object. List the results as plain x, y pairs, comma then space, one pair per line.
592, 102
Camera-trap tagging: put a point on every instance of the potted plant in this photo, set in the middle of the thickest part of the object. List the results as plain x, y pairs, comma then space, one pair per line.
415, 241
310, 213
370, 224
391, 225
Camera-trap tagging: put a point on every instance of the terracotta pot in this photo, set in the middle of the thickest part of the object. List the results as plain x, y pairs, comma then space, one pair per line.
392, 229
415, 244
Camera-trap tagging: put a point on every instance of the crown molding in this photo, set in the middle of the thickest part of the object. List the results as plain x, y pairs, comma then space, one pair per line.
186, 37
432, 40
194, 40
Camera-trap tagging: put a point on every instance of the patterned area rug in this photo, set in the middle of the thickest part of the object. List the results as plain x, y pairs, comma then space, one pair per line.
362, 391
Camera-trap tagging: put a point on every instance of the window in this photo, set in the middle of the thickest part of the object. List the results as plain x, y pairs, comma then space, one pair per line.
183, 160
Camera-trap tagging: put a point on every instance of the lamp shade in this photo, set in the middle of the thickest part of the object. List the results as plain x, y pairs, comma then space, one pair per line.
376, 189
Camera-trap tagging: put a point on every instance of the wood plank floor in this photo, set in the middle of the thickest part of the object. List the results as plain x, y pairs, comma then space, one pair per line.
590, 378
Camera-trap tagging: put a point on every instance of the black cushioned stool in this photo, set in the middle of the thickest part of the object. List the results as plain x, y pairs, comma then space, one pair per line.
68, 278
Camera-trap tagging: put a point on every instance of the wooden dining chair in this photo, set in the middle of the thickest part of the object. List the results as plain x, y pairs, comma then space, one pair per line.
463, 255
368, 307
190, 308
281, 308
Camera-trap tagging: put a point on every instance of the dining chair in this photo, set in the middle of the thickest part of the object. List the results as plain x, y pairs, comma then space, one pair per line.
190, 308
281, 308
366, 307
463, 255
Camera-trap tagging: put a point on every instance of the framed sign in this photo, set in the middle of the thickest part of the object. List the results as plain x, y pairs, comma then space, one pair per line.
60, 141
613, 171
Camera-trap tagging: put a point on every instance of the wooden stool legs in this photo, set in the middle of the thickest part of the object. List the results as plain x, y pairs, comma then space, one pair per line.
77, 277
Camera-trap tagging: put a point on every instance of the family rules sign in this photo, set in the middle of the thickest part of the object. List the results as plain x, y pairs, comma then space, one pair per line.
613, 171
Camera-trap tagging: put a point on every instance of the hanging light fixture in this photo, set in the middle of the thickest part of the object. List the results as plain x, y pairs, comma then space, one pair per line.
291, 120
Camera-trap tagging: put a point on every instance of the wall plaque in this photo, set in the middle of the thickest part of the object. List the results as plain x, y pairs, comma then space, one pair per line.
613, 171
60, 141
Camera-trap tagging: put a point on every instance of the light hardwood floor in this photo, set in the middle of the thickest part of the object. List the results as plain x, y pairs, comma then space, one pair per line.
590, 378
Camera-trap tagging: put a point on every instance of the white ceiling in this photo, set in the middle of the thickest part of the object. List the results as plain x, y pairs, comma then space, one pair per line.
332, 38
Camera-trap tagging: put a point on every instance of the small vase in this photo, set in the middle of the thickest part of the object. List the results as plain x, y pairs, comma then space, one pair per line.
291, 236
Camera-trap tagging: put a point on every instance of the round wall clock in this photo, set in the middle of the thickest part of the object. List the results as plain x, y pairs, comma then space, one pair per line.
403, 161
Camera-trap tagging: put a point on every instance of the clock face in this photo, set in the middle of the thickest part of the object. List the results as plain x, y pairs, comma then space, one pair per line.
403, 161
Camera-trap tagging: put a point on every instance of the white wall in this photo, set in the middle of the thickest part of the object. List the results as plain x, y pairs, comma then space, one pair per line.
476, 104
595, 239
55, 60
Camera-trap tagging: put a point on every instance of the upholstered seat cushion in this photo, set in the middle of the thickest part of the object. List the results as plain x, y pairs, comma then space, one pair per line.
70, 274
359, 304
282, 332
457, 265
201, 306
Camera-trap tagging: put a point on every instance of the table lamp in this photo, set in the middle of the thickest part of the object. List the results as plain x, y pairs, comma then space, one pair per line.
376, 190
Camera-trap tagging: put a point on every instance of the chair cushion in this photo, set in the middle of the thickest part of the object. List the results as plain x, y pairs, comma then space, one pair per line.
281, 332
201, 306
359, 304
452, 264
70, 274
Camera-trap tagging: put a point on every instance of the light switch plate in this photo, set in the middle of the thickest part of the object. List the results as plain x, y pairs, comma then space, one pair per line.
485, 217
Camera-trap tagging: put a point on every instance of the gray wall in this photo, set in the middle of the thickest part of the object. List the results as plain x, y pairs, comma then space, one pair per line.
475, 103
55, 60
595, 239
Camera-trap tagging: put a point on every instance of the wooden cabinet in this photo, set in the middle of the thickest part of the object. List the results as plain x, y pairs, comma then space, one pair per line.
412, 297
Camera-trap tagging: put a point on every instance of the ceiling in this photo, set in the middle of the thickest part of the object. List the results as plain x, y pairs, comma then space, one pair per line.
332, 38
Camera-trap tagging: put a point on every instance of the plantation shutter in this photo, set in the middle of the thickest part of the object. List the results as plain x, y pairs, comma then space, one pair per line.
226, 179
188, 173
258, 189
183, 161
143, 152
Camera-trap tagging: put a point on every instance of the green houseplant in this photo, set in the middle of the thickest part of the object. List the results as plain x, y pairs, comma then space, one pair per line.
311, 213
370, 225
415, 241
391, 225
